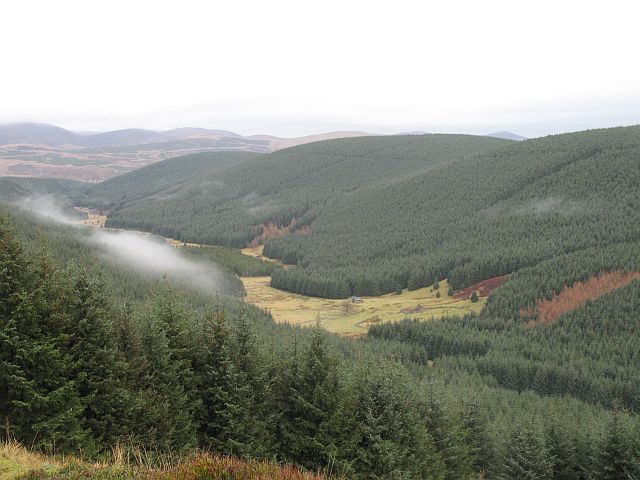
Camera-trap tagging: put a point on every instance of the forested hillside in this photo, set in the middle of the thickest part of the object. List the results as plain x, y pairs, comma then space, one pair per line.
542, 384
17, 188
371, 215
168, 370
87, 367
231, 207
161, 180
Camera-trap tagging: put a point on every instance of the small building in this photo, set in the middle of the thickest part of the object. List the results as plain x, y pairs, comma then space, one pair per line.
355, 299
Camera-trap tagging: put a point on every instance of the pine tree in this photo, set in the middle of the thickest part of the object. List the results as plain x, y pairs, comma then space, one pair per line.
526, 455
481, 448
312, 392
218, 381
450, 442
166, 400
563, 451
39, 403
389, 440
617, 456
95, 364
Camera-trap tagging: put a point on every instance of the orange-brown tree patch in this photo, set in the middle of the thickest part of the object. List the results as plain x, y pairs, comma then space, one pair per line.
546, 312
271, 230
484, 288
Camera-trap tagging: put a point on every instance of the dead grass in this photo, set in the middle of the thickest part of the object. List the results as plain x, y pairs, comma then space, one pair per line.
346, 318
17, 462
256, 251
546, 312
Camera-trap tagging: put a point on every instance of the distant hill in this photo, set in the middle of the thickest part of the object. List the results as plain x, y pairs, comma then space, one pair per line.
36, 134
46, 151
506, 136
52, 136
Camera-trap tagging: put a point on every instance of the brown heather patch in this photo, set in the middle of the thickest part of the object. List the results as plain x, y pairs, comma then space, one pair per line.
271, 230
546, 312
16, 463
484, 288
223, 468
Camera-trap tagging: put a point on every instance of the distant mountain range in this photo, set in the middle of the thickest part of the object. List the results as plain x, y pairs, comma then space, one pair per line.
47, 151
52, 136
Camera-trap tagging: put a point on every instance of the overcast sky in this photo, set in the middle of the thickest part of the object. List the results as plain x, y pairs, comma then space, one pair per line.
298, 67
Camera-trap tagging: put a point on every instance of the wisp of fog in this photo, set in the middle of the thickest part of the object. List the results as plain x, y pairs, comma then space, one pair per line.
47, 207
135, 250
150, 255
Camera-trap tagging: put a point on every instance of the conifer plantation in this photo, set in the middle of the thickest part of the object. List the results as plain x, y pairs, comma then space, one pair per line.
284, 240
543, 383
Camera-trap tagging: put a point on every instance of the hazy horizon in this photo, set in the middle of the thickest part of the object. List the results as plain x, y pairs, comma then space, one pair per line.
290, 69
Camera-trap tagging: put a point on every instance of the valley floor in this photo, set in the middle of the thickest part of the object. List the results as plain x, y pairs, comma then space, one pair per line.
353, 319
340, 316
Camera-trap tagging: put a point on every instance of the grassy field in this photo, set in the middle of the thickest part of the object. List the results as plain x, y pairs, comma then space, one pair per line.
256, 252
349, 319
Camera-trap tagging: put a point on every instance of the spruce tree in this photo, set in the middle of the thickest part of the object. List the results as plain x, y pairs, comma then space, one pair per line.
217, 383
312, 390
562, 451
167, 402
39, 402
390, 440
526, 455
618, 454
96, 366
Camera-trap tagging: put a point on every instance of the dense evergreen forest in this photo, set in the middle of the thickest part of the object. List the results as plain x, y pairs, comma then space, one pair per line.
94, 353
371, 215
87, 364
162, 180
230, 206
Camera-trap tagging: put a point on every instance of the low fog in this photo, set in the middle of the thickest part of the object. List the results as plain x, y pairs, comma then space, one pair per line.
134, 250
153, 255
47, 207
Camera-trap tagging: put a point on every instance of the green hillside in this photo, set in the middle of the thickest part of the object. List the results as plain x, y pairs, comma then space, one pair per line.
171, 369
230, 207
482, 216
101, 359
371, 215
16, 188
161, 180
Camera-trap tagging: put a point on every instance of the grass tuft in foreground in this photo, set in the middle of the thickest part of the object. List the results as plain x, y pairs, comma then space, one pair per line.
17, 463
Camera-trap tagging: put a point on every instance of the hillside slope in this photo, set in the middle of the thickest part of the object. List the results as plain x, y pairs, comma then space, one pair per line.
166, 177
232, 207
369, 215
483, 216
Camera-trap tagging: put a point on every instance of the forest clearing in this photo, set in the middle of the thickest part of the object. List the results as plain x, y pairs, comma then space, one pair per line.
344, 317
